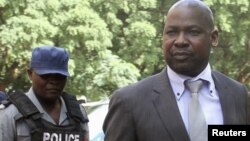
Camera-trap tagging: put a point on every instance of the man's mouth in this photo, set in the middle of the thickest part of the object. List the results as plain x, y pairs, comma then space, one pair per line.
181, 55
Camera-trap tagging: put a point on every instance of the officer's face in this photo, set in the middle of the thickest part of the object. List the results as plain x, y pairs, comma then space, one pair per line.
187, 39
47, 87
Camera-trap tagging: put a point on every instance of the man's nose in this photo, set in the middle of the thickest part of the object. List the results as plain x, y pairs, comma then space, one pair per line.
181, 40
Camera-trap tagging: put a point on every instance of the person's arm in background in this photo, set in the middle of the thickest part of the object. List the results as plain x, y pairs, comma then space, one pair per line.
7, 125
85, 126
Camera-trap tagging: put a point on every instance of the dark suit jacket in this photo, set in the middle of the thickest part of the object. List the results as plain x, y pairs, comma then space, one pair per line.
148, 111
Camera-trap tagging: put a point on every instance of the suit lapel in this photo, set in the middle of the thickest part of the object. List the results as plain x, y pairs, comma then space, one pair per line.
225, 99
167, 108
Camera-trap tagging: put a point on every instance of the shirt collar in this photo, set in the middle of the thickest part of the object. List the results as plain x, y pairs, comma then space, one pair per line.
34, 99
177, 80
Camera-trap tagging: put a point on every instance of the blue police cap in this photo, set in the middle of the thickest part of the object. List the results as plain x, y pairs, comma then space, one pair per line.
50, 59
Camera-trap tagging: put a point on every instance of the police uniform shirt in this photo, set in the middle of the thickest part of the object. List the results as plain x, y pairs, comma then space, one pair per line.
12, 127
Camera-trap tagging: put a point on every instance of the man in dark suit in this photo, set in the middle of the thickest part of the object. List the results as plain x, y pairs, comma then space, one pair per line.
156, 108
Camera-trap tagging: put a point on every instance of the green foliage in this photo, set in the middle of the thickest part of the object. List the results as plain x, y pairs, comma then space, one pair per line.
232, 55
111, 43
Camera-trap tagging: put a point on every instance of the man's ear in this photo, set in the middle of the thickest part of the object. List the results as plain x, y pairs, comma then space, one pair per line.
214, 37
29, 72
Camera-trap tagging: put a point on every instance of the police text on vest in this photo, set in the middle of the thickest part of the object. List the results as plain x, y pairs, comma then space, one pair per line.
60, 137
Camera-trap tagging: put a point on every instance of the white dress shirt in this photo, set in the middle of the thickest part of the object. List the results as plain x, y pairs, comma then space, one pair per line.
208, 96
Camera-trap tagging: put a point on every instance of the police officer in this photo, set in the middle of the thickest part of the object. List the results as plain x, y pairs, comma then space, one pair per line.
45, 112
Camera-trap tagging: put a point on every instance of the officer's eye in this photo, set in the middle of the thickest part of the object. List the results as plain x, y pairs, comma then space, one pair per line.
45, 76
54, 76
